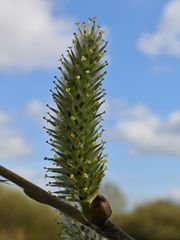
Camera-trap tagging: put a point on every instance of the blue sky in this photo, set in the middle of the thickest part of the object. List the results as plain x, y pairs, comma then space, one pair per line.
143, 111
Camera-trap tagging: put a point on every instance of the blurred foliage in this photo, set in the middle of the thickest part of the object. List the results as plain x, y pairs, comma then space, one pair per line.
158, 221
25, 219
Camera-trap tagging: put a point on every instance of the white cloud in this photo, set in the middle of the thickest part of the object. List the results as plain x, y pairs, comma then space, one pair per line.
12, 145
165, 40
36, 109
31, 37
4, 118
162, 69
146, 132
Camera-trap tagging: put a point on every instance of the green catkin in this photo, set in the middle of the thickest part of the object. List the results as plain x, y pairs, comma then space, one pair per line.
79, 161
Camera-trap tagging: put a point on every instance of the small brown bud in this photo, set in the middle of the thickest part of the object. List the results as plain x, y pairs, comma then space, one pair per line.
100, 210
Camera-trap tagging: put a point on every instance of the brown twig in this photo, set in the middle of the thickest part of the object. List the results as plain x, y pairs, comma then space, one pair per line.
108, 229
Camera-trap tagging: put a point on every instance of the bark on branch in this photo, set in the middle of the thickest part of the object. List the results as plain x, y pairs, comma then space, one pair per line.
108, 230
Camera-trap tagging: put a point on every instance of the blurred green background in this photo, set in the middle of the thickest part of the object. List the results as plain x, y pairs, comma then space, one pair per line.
24, 219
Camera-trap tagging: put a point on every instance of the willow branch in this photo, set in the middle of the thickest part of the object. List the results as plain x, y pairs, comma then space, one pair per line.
108, 230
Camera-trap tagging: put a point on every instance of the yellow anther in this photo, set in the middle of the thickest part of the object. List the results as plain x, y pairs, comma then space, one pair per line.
68, 90
68, 197
83, 58
78, 77
86, 175
85, 189
73, 118
72, 176
87, 71
72, 135
93, 144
